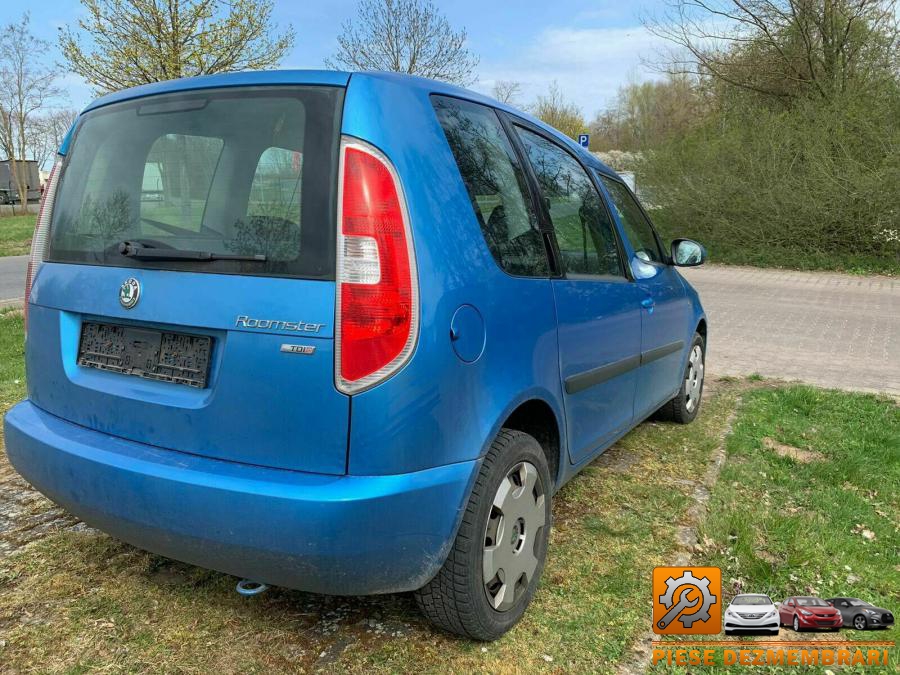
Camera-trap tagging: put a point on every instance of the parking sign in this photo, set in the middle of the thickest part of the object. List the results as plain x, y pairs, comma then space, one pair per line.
584, 140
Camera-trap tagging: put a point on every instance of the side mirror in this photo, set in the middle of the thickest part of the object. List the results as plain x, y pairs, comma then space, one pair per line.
687, 253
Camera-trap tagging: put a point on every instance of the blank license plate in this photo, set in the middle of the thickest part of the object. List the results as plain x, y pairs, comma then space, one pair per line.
145, 352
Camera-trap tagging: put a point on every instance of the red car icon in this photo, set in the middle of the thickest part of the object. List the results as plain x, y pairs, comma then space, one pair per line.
806, 613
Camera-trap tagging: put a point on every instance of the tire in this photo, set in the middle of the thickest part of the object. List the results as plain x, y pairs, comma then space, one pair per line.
775, 631
685, 405
860, 619
797, 628
459, 599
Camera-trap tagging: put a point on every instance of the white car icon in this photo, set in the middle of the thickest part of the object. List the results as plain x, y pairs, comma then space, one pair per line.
751, 611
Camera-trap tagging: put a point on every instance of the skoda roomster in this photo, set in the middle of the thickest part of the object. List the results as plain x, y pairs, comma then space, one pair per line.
344, 333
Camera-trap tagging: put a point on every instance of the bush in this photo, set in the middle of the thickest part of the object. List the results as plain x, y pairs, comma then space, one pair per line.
811, 185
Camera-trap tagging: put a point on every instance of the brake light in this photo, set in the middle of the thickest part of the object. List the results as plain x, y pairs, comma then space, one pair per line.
40, 242
377, 290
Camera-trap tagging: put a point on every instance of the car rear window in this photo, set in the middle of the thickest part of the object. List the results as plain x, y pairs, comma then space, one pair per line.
241, 171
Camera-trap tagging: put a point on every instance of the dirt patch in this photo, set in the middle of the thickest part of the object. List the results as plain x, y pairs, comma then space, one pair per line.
791, 452
25, 514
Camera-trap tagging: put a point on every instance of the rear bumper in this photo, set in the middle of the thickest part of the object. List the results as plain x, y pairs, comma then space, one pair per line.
343, 535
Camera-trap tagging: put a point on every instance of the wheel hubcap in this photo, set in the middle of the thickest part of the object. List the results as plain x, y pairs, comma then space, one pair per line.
513, 530
860, 623
693, 381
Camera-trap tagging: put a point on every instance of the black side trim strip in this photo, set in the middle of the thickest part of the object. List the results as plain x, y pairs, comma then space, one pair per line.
589, 378
654, 354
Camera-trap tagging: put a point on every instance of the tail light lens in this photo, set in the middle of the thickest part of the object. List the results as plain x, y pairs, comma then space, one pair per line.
40, 242
377, 289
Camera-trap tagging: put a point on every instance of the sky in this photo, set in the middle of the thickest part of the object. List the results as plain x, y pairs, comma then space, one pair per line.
589, 47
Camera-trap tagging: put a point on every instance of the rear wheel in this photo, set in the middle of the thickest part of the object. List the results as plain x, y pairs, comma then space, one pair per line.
492, 571
685, 405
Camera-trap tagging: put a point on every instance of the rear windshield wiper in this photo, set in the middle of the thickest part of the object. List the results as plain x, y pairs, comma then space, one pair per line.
139, 251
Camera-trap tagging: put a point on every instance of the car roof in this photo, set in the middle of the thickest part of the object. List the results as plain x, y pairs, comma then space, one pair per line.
338, 78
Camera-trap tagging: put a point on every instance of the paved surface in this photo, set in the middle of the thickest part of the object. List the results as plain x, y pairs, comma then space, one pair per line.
832, 330
12, 279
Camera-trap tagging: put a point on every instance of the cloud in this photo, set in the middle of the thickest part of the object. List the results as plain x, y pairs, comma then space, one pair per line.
590, 64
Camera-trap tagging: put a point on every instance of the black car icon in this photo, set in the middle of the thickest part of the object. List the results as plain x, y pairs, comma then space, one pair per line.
862, 615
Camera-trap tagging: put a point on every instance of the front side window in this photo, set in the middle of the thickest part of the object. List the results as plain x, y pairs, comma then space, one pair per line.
246, 174
637, 228
584, 232
496, 185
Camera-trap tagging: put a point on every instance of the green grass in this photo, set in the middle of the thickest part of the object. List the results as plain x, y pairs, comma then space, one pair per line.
12, 358
798, 259
15, 234
788, 526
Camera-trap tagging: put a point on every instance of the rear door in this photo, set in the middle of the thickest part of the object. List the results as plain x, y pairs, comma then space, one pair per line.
188, 297
598, 308
666, 309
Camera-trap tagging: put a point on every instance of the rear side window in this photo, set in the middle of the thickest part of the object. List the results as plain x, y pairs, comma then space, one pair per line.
242, 171
637, 227
496, 185
584, 232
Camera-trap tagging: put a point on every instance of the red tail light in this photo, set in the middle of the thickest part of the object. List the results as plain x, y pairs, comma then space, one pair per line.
40, 242
377, 290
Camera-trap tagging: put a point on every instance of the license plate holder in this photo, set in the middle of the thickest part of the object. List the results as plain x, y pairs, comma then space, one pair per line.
154, 354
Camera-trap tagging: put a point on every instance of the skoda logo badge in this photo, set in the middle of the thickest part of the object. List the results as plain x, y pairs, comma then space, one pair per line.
129, 292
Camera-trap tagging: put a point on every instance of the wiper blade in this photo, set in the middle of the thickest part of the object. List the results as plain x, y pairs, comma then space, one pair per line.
138, 251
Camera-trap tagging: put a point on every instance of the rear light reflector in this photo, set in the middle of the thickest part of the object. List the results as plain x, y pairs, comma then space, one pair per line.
40, 242
377, 290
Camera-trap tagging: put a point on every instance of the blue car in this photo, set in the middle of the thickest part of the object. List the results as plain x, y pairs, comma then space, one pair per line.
343, 333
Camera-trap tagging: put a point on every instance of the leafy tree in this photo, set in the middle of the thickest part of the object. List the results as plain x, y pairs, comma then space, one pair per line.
791, 157
645, 115
783, 48
27, 87
404, 36
132, 42
553, 109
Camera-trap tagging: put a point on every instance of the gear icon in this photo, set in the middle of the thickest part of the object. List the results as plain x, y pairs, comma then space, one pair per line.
688, 579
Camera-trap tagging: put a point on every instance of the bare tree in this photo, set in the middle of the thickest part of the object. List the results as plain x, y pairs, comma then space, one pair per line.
506, 91
131, 42
48, 131
559, 113
27, 86
781, 48
404, 36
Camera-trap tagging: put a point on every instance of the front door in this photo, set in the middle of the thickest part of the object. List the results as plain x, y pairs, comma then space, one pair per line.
597, 306
666, 311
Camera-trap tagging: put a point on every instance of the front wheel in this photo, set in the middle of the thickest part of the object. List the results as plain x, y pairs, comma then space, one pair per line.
685, 405
796, 624
492, 571
859, 622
